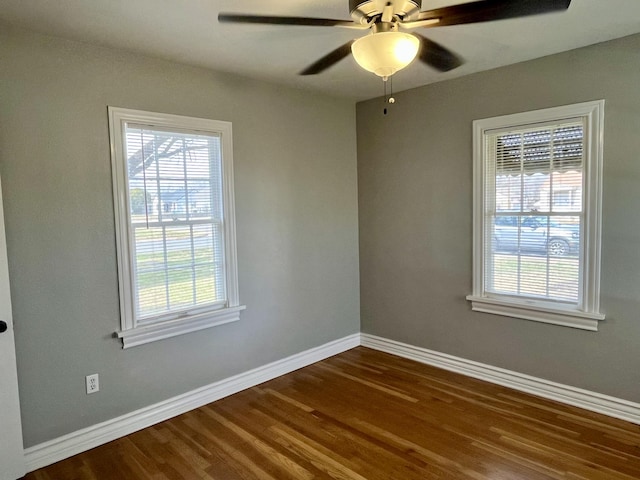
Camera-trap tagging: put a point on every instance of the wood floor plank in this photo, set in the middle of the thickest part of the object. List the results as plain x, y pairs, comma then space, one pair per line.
366, 415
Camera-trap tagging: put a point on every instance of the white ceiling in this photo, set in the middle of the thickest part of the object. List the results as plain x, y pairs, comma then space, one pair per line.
187, 31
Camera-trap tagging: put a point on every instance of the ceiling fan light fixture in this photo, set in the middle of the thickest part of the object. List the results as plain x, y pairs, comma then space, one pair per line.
384, 53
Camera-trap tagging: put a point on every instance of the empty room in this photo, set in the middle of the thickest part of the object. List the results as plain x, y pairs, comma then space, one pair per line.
348, 239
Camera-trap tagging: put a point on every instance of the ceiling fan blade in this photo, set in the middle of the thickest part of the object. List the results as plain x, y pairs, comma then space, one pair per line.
429, 22
488, 10
437, 56
273, 20
329, 59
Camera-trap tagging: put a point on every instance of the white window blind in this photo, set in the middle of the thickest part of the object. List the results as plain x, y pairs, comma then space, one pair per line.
175, 224
534, 211
175, 201
537, 213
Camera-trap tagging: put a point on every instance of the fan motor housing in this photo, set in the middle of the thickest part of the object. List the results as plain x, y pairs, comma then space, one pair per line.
362, 11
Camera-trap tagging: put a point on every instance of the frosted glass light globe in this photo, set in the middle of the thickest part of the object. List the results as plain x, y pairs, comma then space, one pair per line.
385, 53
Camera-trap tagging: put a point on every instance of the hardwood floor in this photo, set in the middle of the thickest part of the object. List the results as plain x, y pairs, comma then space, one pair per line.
368, 415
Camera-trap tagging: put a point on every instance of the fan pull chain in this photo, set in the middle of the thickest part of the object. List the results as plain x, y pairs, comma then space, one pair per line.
387, 99
384, 97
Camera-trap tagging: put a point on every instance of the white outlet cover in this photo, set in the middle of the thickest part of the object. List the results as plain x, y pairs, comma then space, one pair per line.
92, 383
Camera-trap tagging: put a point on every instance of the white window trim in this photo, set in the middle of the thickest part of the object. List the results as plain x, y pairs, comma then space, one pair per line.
130, 333
588, 314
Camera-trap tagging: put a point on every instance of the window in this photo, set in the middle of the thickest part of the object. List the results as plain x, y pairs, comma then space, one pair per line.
175, 226
537, 208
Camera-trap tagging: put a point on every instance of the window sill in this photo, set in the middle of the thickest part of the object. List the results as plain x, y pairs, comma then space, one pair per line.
555, 316
159, 331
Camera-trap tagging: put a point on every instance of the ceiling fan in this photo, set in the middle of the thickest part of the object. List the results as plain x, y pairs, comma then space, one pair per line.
387, 48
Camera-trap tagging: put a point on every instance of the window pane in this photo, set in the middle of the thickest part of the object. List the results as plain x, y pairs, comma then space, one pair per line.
536, 152
508, 194
566, 188
563, 278
175, 203
173, 199
181, 291
199, 199
205, 283
150, 271
504, 276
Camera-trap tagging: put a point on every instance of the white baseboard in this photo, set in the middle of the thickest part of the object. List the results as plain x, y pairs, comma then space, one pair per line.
66, 446
595, 402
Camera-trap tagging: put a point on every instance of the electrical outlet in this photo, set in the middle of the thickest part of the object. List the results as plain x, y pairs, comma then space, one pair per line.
93, 383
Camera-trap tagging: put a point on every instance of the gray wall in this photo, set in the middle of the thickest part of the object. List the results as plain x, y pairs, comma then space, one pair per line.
296, 201
415, 211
